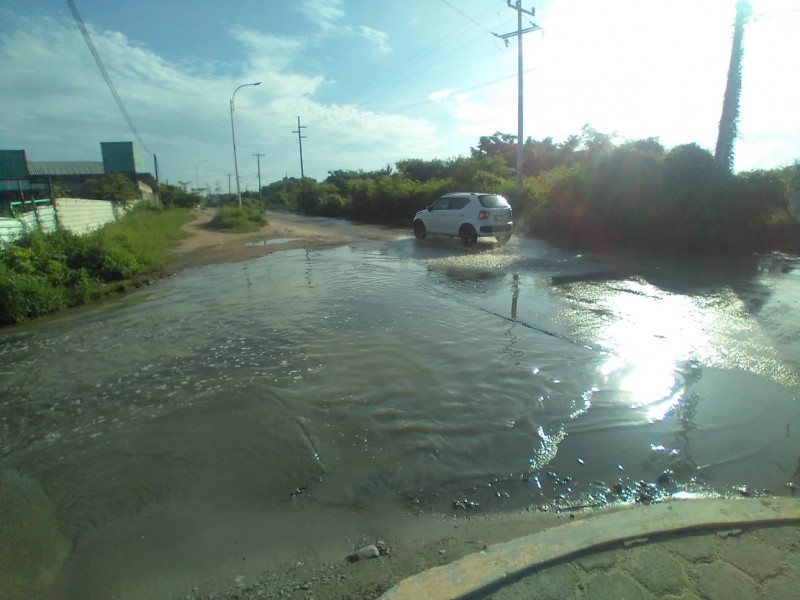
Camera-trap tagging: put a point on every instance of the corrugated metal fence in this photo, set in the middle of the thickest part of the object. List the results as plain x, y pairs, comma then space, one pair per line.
78, 215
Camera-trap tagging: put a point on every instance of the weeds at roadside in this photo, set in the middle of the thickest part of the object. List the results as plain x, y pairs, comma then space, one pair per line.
232, 219
46, 272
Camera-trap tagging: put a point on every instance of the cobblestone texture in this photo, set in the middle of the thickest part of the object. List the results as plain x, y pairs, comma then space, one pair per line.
659, 572
598, 560
756, 558
614, 585
694, 548
554, 583
751, 564
722, 581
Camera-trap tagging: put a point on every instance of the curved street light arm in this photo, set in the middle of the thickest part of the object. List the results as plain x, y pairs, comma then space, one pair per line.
233, 137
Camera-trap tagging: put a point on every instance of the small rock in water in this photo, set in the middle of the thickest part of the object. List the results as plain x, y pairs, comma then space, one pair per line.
383, 548
364, 553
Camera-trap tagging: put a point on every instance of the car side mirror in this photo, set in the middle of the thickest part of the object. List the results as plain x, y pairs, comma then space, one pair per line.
429, 207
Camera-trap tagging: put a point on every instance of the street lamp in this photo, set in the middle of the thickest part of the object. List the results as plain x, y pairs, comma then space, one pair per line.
196, 174
233, 136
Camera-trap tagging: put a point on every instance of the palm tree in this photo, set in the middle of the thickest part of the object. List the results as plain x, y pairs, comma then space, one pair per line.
733, 89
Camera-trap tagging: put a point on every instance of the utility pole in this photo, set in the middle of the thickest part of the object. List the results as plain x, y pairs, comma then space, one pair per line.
258, 159
520, 140
300, 141
229, 182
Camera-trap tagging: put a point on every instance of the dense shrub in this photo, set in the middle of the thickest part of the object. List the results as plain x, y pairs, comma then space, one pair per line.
43, 273
113, 186
587, 190
241, 220
173, 196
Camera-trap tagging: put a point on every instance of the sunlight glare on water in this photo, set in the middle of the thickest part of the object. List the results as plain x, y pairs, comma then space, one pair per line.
655, 334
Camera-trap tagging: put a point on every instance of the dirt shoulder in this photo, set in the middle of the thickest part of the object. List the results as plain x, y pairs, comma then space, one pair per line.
285, 231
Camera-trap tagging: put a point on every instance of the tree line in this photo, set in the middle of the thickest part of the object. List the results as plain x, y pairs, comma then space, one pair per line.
589, 190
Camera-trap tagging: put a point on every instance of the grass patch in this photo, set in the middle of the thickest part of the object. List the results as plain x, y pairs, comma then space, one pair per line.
232, 219
46, 272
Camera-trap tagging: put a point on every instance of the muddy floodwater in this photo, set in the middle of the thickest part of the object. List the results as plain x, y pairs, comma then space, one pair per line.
245, 414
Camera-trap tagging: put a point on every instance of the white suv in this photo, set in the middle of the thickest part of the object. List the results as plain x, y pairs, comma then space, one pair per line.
466, 215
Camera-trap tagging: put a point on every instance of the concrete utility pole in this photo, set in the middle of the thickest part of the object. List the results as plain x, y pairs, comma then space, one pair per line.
300, 140
258, 159
197, 173
520, 139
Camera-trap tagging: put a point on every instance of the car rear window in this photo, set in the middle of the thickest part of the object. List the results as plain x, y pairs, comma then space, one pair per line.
492, 201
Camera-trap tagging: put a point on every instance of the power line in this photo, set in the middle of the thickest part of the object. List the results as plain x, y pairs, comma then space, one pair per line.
520, 139
410, 67
104, 72
408, 107
466, 16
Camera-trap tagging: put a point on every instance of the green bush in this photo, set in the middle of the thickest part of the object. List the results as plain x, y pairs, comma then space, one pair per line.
46, 272
587, 190
24, 295
234, 219
114, 186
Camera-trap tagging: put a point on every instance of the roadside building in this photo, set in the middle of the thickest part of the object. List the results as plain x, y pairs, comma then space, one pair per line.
24, 181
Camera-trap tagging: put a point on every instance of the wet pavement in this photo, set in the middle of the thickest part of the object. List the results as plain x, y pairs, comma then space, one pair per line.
754, 563
711, 549
242, 417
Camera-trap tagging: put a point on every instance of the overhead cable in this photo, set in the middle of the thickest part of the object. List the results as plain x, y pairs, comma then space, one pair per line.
104, 72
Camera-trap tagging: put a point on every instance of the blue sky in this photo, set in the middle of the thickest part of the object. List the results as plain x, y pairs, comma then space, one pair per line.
375, 81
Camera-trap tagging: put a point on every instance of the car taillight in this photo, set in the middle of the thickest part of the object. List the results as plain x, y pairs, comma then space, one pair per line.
484, 214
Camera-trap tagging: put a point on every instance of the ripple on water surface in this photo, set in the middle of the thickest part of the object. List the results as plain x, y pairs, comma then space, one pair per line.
394, 372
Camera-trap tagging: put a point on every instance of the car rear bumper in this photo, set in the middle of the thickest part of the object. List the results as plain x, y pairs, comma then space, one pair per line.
497, 229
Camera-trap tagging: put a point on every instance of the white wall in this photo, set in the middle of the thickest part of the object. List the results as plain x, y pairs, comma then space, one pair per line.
44, 218
78, 215
81, 216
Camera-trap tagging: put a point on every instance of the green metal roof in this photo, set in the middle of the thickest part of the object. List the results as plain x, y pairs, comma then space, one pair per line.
12, 164
61, 169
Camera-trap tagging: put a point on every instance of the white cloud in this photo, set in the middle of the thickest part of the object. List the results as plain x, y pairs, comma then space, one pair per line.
182, 109
439, 95
379, 39
328, 16
324, 13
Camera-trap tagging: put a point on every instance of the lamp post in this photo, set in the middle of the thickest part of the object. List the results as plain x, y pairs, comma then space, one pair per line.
196, 174
233, 137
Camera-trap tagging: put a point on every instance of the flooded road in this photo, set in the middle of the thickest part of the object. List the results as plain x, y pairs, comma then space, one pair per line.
248, 412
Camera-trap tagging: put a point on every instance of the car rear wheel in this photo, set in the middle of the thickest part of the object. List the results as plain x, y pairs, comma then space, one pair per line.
503, 239
468, 235
419, 230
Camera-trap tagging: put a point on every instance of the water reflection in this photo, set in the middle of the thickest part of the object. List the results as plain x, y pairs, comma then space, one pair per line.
651, 336
381, 377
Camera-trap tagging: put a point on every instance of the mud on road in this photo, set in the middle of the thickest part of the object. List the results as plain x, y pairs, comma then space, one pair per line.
285, 231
